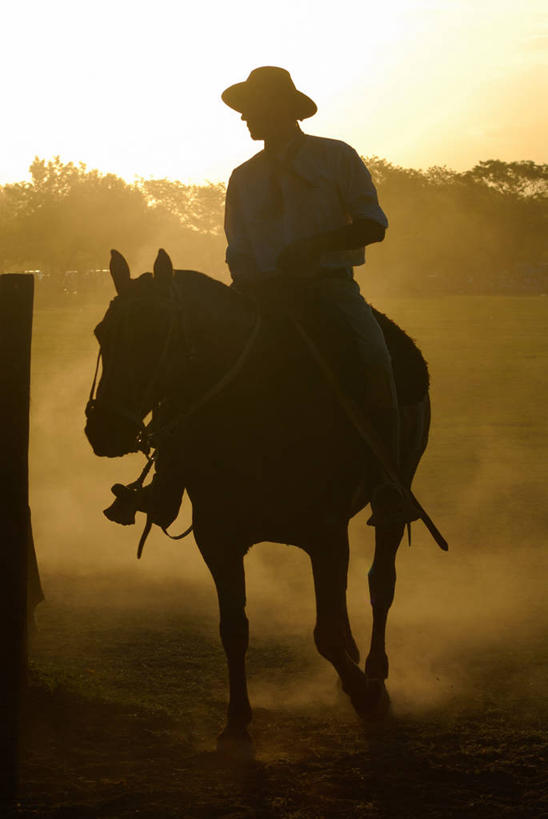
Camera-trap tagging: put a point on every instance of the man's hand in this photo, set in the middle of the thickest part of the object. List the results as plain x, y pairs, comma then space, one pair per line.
302, 257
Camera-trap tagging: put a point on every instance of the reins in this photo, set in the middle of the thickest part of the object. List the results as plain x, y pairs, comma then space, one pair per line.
211, 393
182, 417
148, 436
146, 397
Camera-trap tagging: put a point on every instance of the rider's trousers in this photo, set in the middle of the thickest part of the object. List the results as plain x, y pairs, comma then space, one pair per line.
344, 294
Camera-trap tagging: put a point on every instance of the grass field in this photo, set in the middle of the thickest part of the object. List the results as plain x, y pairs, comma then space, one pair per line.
130, 679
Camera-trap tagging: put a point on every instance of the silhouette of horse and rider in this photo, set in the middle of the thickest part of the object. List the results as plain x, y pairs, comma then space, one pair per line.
283, 404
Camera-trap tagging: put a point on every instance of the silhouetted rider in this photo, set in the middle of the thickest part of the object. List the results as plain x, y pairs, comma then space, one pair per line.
307, 206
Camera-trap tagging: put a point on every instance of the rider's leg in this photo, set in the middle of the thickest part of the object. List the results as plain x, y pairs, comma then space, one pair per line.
381, 399
161, 499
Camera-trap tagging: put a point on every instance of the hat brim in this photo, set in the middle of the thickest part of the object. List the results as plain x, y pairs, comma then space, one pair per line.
242, 98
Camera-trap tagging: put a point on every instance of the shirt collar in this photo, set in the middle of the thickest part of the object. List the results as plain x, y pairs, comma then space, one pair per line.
289, 160
286, 152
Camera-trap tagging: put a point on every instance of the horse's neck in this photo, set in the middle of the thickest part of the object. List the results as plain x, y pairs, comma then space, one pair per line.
216, 321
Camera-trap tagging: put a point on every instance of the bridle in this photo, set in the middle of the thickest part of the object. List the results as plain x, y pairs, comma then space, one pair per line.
115, 408
149, 435
147, 399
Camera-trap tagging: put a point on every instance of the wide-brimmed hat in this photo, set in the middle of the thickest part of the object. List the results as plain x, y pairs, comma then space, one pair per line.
269, 84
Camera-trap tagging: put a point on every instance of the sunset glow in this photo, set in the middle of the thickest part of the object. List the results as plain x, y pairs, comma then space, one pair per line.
134, 88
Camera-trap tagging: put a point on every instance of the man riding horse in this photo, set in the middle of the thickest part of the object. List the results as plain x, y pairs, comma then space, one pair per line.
302, 211
304, 208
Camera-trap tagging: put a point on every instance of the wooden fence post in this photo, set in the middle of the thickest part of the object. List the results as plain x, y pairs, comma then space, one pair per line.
16, 304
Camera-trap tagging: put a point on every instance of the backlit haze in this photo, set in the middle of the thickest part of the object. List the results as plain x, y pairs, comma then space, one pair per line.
134, 87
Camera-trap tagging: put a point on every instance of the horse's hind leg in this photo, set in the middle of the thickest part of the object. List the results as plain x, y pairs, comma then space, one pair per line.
227, 568
382, 580
415, 423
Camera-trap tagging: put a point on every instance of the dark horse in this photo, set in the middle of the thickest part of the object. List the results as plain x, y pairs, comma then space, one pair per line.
258, 438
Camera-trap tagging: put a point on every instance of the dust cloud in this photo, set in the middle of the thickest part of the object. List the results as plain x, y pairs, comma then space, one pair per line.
482, 479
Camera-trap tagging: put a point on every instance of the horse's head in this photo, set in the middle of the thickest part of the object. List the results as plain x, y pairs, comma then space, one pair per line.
135, 339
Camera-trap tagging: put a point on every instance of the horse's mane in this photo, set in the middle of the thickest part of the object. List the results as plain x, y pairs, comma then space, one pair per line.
213, 296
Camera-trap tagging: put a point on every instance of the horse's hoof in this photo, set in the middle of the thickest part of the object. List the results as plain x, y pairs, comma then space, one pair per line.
235, 745
373, 702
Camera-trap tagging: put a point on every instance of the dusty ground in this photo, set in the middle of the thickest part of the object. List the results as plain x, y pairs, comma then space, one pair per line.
128, 677
124, 708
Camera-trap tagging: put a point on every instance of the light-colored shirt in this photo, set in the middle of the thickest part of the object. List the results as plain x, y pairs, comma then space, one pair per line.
317, 185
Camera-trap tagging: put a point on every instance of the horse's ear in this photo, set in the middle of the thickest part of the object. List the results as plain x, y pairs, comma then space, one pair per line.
163, 269
119, 270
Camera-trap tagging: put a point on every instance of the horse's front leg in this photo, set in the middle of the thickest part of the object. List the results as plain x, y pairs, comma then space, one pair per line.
382, 580
334, 641
226, 564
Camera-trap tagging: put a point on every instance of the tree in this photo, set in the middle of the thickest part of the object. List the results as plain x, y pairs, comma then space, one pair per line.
198, 207
524, 179
478, 231
67, 217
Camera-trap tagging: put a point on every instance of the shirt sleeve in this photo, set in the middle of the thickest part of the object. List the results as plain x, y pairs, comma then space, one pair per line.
239, 254
357, 190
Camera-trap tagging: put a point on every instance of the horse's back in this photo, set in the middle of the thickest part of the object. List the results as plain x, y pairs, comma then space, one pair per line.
274, 446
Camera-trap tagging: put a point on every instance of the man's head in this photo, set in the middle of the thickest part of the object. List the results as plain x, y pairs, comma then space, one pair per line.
269, 102
266, 121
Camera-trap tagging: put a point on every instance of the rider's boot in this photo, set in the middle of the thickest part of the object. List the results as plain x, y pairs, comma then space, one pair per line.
161, 499
388, 501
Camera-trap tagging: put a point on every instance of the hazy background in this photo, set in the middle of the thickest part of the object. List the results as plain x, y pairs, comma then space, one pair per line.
476, 231
135, 89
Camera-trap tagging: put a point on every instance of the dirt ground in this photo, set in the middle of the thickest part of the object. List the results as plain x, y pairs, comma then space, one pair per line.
128, 679
123, 710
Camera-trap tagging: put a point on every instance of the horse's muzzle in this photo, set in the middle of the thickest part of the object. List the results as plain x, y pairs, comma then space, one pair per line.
110, 434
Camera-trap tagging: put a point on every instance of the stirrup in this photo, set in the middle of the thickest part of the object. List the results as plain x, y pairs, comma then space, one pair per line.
128, 501
395, 506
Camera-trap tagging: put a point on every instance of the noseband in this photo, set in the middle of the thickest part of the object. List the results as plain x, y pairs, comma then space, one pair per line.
115, 409
147, 398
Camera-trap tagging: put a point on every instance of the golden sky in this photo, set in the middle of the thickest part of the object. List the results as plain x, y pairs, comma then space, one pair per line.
134, 87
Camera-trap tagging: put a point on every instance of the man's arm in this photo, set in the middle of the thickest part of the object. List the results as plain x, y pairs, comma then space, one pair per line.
306, 252
239, 257
367, 221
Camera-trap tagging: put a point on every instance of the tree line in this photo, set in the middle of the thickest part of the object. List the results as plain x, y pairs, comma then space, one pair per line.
478, 231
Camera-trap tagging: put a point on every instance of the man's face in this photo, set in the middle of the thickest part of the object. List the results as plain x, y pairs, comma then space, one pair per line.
266, 121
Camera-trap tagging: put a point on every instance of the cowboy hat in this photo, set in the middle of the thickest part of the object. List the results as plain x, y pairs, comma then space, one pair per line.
273, 85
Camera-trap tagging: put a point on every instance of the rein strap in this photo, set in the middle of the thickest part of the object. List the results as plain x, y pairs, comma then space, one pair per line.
213, 391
